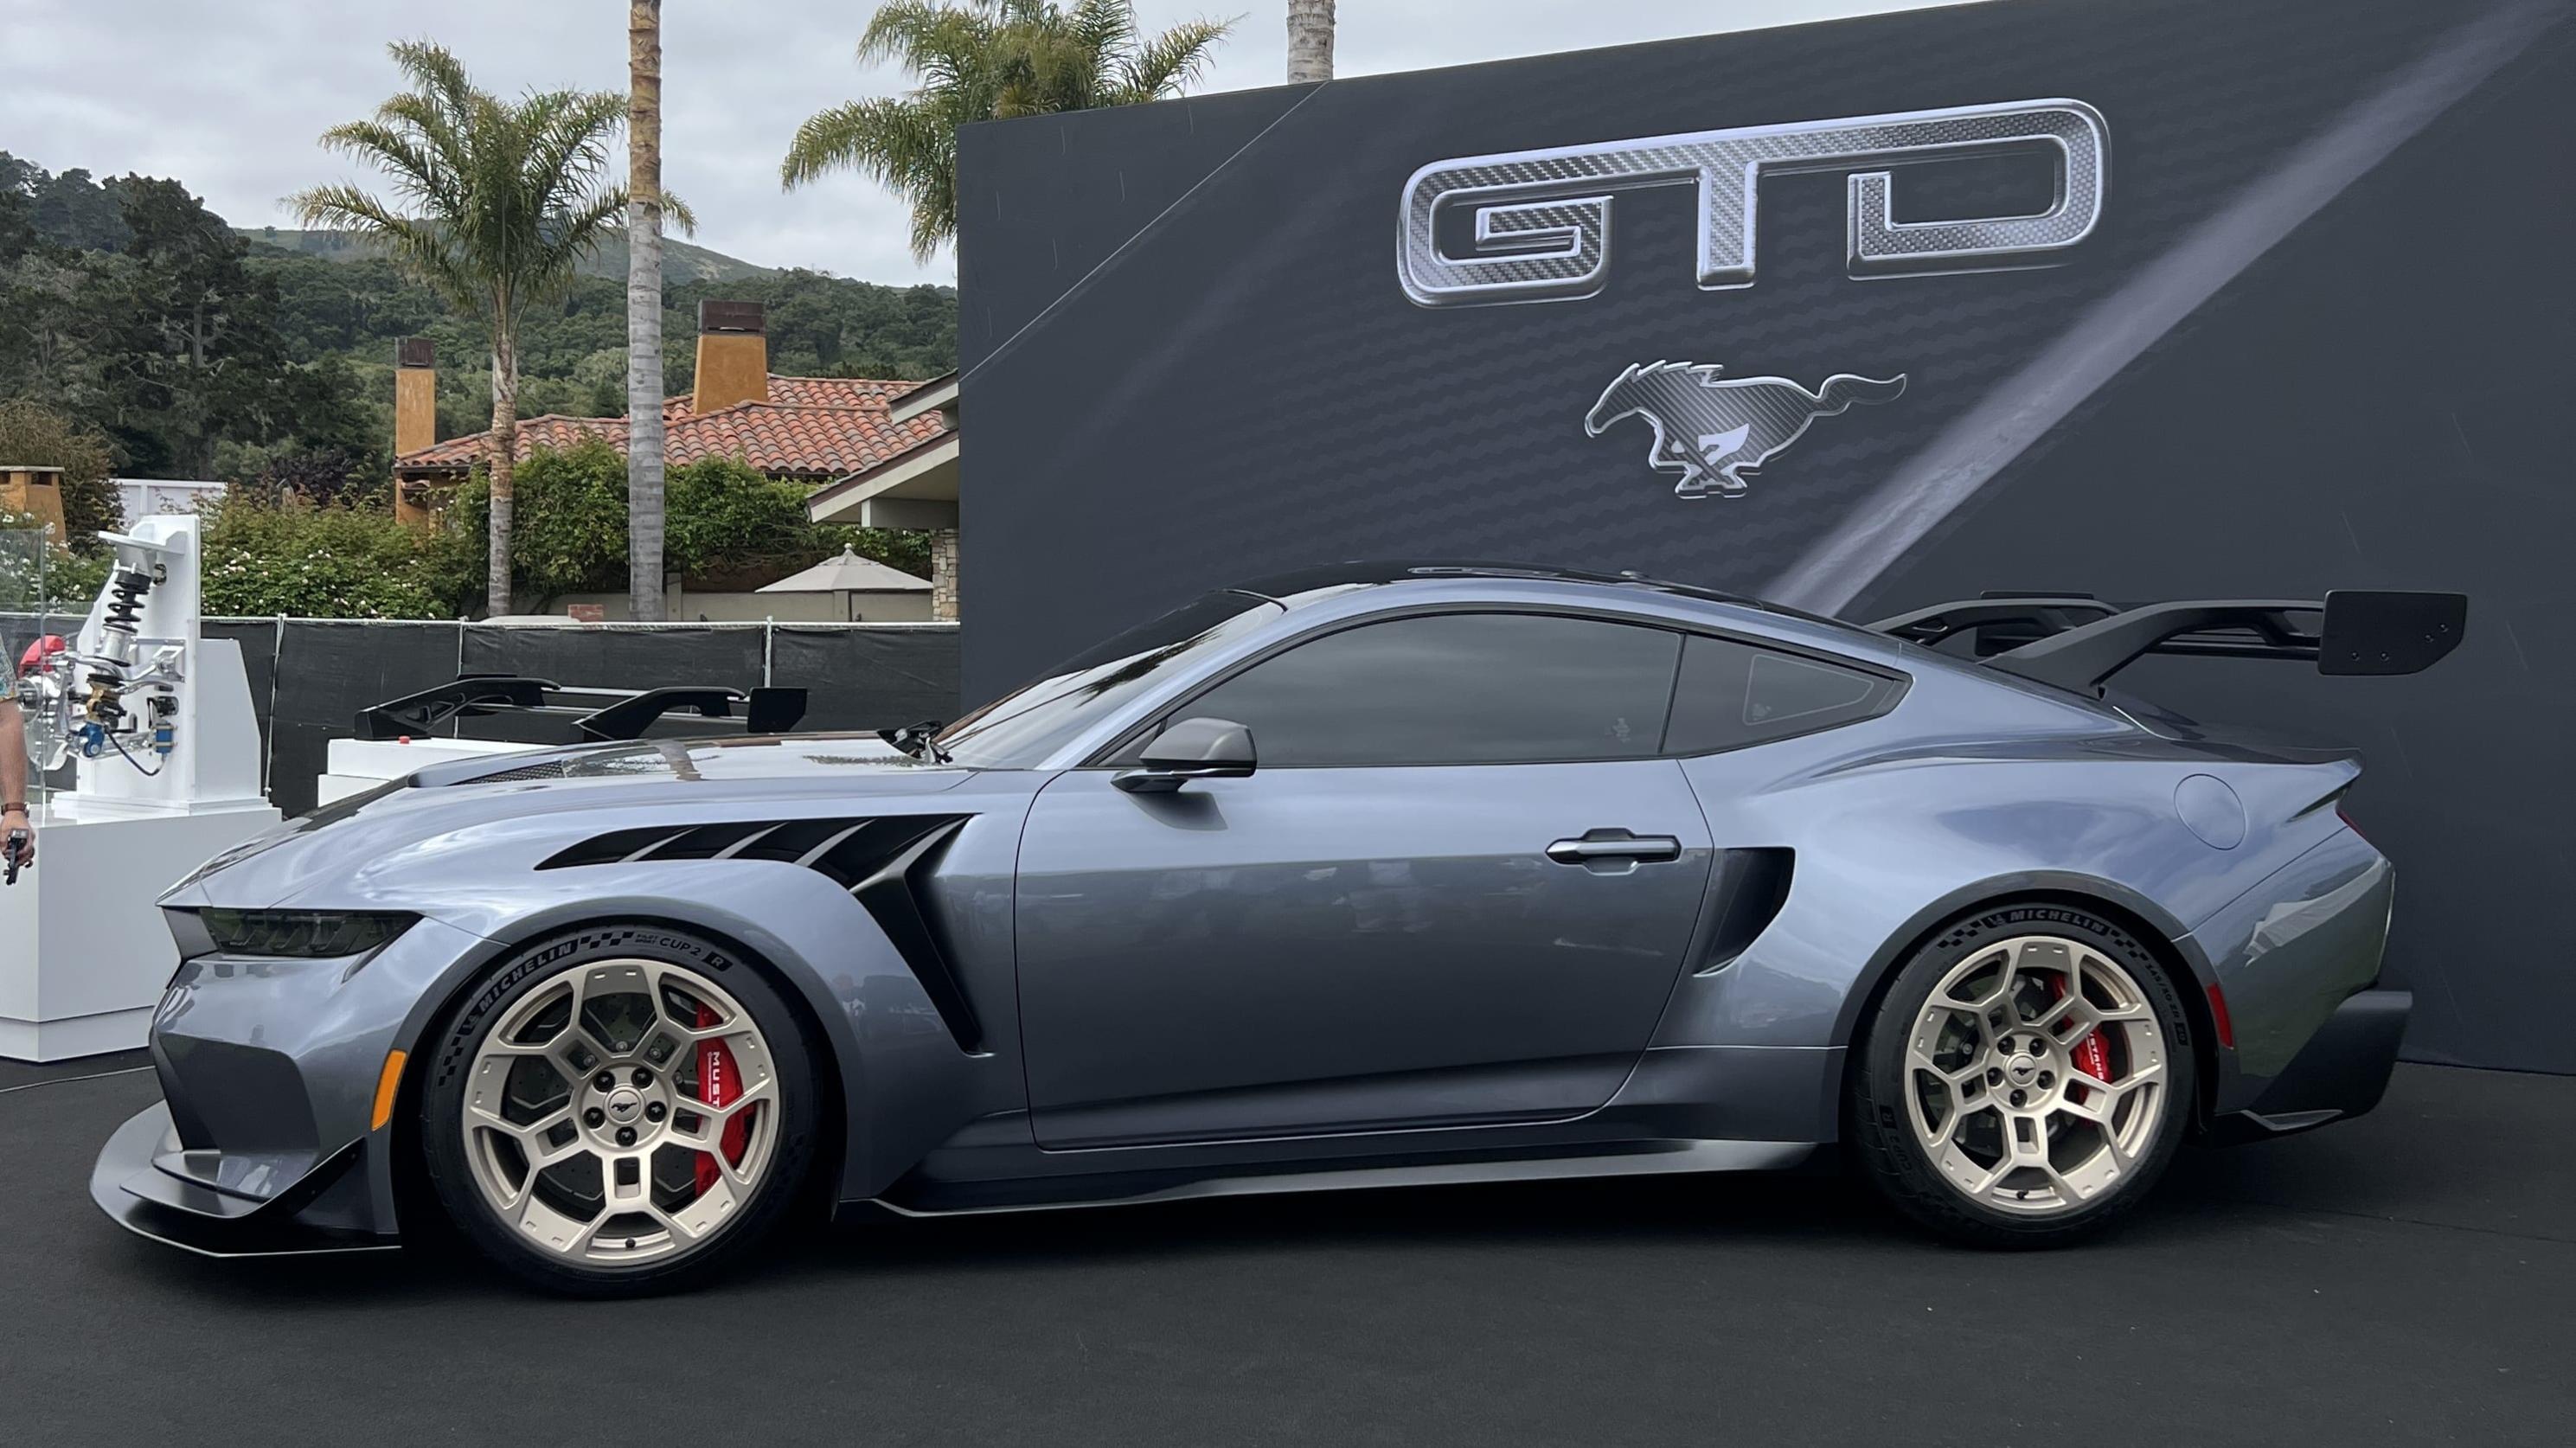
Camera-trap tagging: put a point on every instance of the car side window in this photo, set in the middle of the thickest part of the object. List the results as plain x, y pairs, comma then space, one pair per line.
1457, 688
1733, 694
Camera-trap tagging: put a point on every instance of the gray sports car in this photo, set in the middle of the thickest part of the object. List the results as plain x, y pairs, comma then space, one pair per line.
1378, 875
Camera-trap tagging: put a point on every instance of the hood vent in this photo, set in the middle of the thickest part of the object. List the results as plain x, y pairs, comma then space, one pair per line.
884, 863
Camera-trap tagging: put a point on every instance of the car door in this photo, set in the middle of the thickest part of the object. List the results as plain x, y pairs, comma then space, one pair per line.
1457, 889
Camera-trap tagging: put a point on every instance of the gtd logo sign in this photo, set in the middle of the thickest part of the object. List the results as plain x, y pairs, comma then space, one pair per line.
1542, 218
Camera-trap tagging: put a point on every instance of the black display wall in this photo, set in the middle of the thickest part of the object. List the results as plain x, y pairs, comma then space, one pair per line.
2315, 337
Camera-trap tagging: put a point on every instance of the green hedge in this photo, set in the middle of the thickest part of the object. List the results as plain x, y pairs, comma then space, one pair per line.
331, 561
568, 525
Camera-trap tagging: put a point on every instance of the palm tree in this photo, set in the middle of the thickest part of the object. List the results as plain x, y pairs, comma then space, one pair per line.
644, 432
1310, 40
980, 59
494, 204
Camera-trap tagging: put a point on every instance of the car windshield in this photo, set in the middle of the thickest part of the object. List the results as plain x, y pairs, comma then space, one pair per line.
1023, 727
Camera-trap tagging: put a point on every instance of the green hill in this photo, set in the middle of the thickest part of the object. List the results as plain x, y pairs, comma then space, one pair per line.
681, 262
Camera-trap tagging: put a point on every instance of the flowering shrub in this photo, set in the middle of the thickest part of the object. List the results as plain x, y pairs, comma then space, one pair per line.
328, 562
40, 576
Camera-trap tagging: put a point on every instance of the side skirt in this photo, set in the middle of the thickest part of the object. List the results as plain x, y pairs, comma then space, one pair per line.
1646, 1158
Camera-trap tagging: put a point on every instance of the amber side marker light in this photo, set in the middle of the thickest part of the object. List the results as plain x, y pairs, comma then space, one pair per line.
386, 1085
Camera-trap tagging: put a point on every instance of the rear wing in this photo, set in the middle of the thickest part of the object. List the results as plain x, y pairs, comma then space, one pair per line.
540, 711
2077, 642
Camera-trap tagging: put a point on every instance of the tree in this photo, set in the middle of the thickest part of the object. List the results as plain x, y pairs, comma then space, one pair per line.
191, 352
644, 427
495, 204
1310, 40
981, 59
132, 309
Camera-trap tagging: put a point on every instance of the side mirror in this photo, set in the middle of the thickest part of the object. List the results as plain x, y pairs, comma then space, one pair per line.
1191, 749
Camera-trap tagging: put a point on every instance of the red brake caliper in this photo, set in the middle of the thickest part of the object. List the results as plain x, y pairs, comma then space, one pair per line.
719, 1083
2092, 1055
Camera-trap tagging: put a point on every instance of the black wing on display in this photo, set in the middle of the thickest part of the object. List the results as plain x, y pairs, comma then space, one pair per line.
2077, 642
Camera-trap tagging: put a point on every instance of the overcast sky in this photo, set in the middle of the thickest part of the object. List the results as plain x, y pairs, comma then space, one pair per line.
228, 95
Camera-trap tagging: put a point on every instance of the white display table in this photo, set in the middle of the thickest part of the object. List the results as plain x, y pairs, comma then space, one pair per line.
354, 766
84, 955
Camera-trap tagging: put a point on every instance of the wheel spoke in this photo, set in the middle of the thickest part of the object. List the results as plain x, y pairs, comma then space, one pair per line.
729, 1022
2030, 1149
2143, 1074
2102, 1098
554, 1231
707, 1135
673, 1223
1993, 1178
634, 1196
2072, 1020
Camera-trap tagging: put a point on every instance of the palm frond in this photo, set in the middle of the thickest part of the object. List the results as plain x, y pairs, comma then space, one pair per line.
1172, 61
910, 145
417, 246
572, 238
974, 60
1103, 27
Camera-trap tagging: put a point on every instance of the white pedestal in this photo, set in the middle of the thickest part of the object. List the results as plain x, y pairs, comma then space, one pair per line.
357, 765
84, 955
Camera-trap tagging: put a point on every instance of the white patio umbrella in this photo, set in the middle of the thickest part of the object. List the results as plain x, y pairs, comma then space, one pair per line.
849, 574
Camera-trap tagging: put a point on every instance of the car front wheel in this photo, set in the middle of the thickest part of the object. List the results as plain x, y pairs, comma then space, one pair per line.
2026, 1079
618, 1111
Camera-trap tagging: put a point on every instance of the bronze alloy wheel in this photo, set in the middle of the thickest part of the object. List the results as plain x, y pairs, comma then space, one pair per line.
620, 1109
2025, 1079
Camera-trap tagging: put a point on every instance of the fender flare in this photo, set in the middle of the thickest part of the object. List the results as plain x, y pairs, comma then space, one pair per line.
851, 1143
2165, 935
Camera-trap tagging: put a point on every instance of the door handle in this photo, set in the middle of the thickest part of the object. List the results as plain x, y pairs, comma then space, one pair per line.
1612, 846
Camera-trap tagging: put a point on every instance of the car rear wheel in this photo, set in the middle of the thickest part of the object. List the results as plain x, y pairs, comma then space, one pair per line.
2025, 1080
619, 1111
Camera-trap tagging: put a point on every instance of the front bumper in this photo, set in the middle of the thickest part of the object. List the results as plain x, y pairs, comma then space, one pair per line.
264, 1140
2341, 1072
213, 1205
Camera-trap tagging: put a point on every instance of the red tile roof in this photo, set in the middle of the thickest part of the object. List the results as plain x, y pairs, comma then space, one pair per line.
810, 428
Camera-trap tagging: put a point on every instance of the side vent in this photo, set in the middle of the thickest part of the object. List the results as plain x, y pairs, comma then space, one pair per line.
1751, 888
884, 863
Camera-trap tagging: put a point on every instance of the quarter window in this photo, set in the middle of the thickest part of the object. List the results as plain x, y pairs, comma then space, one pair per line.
1732, 695
1458, 688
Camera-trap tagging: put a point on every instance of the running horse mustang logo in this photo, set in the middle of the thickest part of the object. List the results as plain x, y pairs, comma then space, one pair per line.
1712, 430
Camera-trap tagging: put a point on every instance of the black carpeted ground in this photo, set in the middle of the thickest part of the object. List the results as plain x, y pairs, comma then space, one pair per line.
2405, 1279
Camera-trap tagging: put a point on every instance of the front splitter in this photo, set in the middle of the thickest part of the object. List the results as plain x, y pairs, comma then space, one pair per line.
127, 1157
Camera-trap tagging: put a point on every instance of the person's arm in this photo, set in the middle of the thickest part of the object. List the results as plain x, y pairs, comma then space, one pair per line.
13, 774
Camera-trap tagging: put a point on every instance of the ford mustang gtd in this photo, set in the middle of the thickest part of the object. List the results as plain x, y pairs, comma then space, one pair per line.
1379, 875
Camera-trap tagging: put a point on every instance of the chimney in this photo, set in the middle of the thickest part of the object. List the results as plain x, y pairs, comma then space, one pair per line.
733, 356
415, 395
36, 492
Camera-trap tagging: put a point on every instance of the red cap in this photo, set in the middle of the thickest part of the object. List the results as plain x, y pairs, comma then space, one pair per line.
39, 651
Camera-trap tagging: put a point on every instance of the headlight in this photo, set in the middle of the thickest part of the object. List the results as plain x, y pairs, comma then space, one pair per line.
302, 934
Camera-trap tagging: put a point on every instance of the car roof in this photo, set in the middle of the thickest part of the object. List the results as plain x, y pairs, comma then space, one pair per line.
1306, 585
